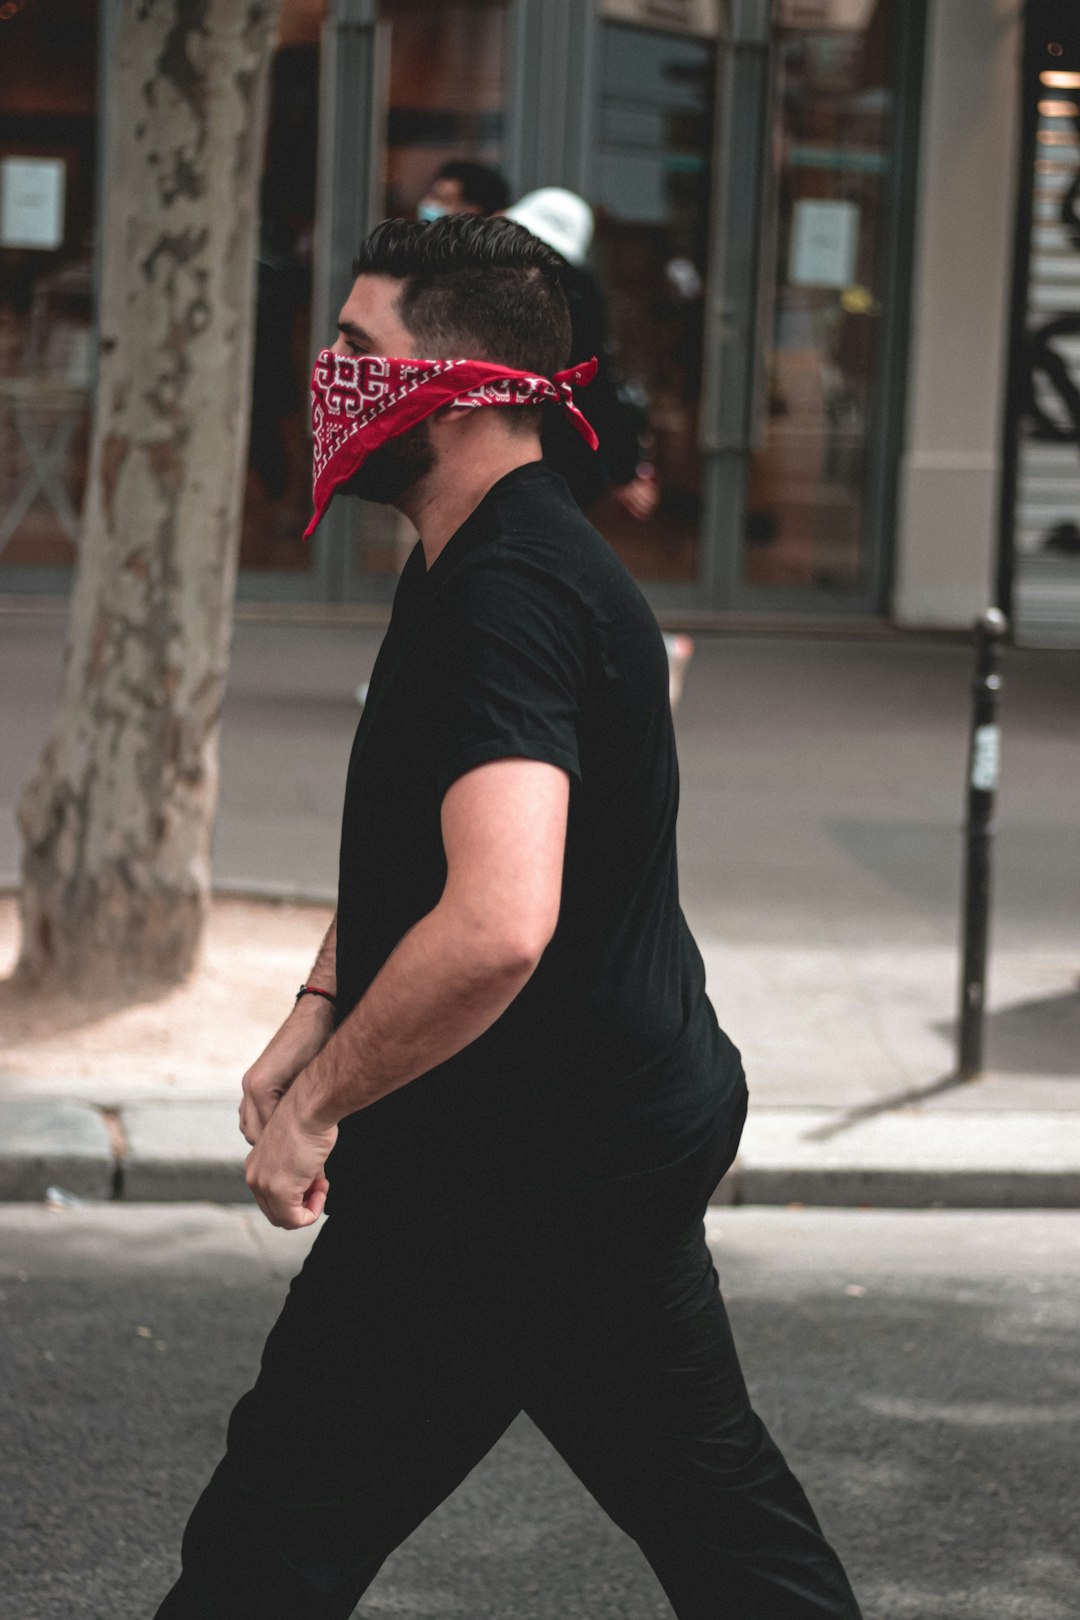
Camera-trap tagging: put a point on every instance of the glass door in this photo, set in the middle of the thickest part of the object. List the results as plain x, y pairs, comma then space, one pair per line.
744, 166
824, 412
653, 188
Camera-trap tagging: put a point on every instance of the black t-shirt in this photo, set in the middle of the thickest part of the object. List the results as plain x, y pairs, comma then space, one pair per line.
528, 638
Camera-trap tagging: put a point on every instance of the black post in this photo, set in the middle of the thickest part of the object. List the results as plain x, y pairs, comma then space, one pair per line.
983, 758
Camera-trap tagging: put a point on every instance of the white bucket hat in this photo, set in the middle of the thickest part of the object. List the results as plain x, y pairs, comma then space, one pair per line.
560, 218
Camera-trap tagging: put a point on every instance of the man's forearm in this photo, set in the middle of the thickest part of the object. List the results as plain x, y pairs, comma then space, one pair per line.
324, 970
437, 992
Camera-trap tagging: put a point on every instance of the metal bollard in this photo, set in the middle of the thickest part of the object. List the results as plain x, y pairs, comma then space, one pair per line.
984, 756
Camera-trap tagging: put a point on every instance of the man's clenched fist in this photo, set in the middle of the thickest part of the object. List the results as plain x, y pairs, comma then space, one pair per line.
285, 1167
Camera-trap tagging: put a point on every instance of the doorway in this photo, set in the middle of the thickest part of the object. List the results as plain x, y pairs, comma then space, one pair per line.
822, 403
750, 172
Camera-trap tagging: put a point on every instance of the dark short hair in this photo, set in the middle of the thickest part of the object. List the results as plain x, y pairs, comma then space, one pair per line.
481, 186
483, 289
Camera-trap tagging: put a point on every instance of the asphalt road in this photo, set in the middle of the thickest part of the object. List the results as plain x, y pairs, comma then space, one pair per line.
920, 1369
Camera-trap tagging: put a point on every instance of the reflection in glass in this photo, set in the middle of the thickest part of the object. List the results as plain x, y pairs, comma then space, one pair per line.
805, 521
652, 208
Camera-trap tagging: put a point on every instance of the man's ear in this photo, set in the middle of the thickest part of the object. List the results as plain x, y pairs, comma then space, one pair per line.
452, 415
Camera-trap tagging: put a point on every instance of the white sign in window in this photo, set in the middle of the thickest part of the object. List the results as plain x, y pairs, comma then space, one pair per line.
680, 16
845, 16
31, 202
824, 243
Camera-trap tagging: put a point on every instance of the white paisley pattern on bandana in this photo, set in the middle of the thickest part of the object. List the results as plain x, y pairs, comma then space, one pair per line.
349, 391
358, 402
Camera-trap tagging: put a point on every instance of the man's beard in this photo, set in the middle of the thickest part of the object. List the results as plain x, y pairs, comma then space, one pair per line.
394, 467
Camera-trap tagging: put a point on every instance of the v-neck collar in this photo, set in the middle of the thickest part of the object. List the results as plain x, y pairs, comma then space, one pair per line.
480, 523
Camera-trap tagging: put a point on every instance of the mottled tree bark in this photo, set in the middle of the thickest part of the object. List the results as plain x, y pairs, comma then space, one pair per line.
117, 816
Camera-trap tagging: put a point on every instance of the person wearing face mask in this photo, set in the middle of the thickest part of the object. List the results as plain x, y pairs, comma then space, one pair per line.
463, 187
564, 221
504, 1081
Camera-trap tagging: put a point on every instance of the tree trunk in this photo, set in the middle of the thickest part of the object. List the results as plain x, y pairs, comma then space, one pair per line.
117, 816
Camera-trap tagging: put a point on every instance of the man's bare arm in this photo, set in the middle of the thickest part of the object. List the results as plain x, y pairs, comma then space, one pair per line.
324, 972
449, 979
300, 1039
460, 967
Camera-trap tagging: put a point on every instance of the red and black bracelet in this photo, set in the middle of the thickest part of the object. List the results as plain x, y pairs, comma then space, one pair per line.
313, 990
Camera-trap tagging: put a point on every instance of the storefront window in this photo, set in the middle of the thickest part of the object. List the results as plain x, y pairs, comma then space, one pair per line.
822, 291
652, 208
48, 135
48, 97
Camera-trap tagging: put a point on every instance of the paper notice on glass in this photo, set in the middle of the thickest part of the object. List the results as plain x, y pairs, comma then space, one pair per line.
824, 243
31, 202
676, 16
845, 16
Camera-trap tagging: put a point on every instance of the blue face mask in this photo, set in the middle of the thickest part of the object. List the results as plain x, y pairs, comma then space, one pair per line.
428, 211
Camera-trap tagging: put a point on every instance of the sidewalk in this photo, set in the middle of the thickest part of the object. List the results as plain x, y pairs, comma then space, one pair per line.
820, 857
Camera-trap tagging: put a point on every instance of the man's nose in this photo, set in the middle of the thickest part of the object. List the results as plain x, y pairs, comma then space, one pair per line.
339, 346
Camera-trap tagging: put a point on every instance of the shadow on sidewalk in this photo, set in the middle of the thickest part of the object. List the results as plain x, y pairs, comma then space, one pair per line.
30, 1013
1038, 1037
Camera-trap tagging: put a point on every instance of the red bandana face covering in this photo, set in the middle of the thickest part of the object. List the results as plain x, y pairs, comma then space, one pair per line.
359, 402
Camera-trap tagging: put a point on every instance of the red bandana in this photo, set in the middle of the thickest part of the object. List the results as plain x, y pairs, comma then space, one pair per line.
358, 402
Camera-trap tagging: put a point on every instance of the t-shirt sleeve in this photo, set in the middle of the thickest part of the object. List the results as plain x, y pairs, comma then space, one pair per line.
508, 670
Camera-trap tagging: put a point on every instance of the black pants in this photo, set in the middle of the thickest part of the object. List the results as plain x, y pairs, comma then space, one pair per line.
408, 1345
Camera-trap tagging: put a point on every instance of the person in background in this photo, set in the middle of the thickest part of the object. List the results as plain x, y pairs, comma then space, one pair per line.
464, 187
564, 221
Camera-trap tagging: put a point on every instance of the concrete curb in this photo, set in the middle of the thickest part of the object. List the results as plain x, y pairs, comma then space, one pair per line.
903, 1187
182, 1152
909, 1159
45, 1144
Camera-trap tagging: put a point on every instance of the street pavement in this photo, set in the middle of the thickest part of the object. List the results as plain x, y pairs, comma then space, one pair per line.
919, 1369
820, 854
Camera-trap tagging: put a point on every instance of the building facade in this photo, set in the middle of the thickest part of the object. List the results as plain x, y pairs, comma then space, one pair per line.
809, 222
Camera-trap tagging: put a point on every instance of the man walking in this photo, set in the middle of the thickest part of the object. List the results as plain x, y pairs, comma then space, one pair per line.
507, 1085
